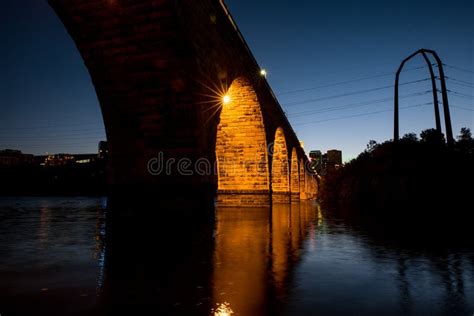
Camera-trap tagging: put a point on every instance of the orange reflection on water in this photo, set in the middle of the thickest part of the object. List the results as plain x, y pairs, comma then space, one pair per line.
255, 251
223, 309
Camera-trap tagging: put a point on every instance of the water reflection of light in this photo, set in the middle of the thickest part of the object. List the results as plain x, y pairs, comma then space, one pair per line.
320, 215
223, 309
44, 226
100, 277
100, 244
262, 243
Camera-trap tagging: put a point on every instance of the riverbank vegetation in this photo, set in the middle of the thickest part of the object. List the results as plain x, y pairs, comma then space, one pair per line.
414, 178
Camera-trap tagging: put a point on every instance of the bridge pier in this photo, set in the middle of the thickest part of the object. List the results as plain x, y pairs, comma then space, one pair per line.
243, 198
295, 197
281, 197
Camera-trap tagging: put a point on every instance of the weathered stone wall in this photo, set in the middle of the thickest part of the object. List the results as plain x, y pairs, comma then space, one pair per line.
280, 169
241, 148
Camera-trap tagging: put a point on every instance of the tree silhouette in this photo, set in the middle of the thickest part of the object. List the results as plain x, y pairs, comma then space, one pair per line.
432, 137
371, 146
465, 135
465, 142
410, 137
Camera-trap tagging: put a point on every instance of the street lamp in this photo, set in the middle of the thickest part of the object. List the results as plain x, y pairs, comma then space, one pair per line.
226, 99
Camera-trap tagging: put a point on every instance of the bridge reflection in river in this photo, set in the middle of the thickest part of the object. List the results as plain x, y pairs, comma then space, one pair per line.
254, 252
240, 260
63, 256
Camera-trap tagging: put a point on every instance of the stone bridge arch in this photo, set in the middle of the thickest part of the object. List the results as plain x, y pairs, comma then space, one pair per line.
241, 148
280, 168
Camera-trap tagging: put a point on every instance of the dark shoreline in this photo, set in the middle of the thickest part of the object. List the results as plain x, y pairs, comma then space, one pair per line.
419, 184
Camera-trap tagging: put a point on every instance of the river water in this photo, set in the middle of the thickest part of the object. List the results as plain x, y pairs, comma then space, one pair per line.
57, 257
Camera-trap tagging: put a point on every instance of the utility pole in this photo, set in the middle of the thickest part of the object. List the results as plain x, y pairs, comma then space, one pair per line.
435, 92
444, 91
447, 116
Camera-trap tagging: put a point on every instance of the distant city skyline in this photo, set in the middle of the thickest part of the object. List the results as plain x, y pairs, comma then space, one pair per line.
330, 64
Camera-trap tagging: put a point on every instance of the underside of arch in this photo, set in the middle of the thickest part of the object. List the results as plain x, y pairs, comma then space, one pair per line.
280, 169
241, 151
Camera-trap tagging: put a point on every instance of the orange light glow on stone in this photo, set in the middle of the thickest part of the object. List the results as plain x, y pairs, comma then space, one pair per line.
241, 149
280, 168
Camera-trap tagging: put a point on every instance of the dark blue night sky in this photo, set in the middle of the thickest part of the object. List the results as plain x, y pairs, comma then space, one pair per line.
48, 103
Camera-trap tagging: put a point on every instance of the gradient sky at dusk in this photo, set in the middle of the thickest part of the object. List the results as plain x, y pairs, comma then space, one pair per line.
48, 103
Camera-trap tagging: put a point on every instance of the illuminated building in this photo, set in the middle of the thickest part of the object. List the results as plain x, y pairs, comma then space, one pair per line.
59, 160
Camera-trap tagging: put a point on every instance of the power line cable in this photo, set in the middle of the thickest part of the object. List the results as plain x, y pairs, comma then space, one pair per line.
460, 81
461, 107
462, 85
459, 94
353, 93
359, 115
459, 68
344, 82
354, 105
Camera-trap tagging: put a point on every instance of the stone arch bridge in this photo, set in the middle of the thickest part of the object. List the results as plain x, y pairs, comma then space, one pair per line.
182, 96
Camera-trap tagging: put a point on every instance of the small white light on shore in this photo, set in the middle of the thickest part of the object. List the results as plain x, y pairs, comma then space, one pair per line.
263, 72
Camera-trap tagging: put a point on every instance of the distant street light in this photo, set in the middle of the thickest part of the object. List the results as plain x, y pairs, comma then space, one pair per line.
263, 73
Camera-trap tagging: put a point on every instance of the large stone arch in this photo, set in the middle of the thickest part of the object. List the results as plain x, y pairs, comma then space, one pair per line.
294, 177
280, 169
241, 149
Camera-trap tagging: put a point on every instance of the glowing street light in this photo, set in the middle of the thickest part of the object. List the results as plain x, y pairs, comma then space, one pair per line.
263, 72
226, 99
